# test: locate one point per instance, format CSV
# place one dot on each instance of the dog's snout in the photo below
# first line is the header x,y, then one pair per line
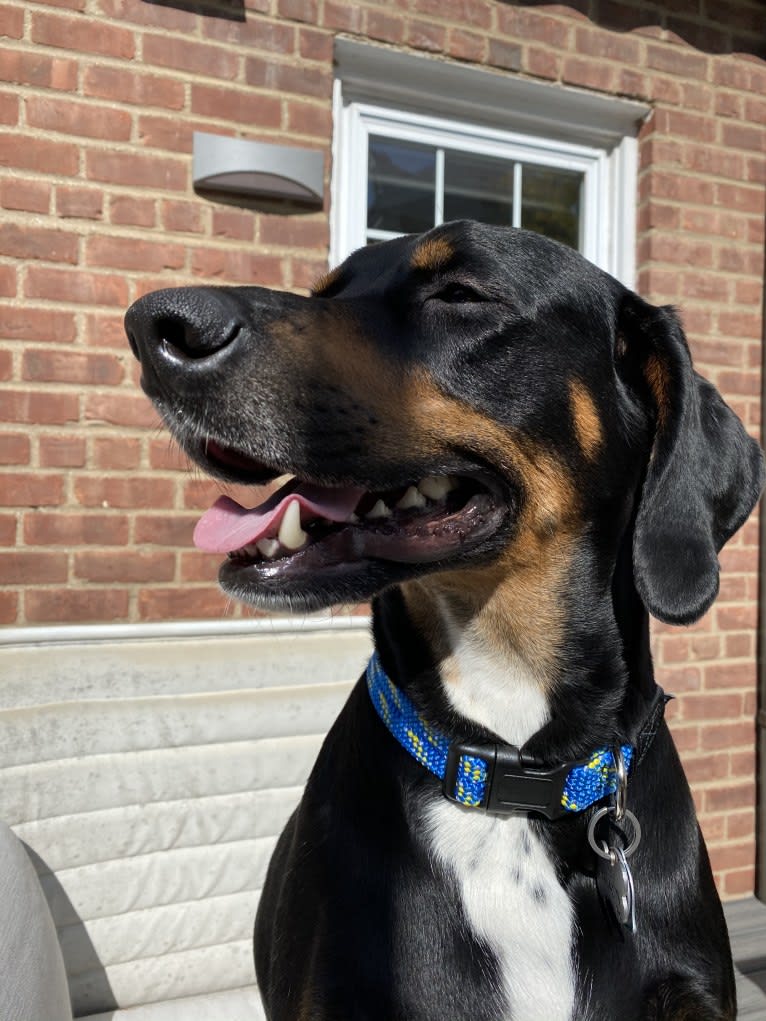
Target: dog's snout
x,y
182,324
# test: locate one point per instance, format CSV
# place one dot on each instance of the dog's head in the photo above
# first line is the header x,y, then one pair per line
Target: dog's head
x,y
448,402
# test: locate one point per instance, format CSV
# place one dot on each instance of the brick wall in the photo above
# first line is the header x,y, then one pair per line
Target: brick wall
x,y
98,101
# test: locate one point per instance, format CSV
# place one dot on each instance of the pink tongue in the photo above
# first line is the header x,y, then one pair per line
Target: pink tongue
x,y
227,526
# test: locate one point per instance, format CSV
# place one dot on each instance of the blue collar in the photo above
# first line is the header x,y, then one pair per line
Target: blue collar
x,y
496,777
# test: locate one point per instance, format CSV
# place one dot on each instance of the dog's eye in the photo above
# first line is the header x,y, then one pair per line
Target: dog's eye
x,y
457,294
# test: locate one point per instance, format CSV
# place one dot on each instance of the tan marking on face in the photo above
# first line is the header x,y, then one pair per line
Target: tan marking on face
x,y
325,282
515,603
432,254
657,378
587,423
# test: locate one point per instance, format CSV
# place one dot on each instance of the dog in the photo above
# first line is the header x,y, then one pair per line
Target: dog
x,y
509,453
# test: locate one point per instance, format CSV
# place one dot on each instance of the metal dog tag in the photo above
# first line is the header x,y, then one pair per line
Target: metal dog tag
x,y
614,881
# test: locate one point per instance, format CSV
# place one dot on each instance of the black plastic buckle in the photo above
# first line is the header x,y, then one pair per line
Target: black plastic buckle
x,y
514,784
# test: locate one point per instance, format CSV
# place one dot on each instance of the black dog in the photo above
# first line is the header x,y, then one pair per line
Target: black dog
x,y
511,454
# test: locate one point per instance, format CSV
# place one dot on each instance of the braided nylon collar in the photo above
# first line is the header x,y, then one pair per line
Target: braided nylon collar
x,y
585,783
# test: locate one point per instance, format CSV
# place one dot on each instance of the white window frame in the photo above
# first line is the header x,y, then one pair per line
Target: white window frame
x,y
436,102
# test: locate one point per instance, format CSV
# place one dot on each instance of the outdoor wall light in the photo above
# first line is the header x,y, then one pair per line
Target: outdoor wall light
x,y
257,168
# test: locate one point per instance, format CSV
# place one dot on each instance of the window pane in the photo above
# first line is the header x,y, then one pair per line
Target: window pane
x,y
551,202
400,190
477,188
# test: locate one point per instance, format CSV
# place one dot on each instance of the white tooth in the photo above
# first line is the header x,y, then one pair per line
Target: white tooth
x,y
268,548
379,511
435,487
291,535
412,498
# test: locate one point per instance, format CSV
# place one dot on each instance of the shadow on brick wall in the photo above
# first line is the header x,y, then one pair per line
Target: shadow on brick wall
x,y
232,10
738,29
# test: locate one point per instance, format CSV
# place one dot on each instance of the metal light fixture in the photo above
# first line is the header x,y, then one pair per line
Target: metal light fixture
x,y
260,169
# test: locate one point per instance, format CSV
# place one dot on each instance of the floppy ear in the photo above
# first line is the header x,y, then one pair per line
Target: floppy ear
x,y
704,475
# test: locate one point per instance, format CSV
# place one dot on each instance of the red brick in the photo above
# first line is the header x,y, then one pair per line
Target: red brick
x,y
11,22
384,27
28,242
727,735
738,882
233,223
6,365
9,608
607,45
299,10
27,568
187,603
79,203
153,15
719,707
588,73
66,366
741,324
730,796
309,119
37,69
199,567
742,197
38,407
680,124
730,675
467,45
8,281
737,618
294,233
182,54
524,24
166,131
41,529
78,118
121,409
128,253
239,105
288,77
137,169
126,210
123,493
29,323
133,87
743,136
342,16
676,60
182,216
704,768
312,44
39,155
124,566
165,530
9,108
21,489
166,455
8,529
74,286
740,824
14,448
62,451
71,605
238,267
112,452
732,856
504,54
83,35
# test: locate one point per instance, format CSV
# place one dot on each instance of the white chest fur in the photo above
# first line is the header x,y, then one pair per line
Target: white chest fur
x,y
511,895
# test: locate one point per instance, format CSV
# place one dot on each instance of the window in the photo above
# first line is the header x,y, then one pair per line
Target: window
x,y
420,141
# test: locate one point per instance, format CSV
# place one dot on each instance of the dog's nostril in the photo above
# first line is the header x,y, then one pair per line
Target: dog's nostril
x,y
194,340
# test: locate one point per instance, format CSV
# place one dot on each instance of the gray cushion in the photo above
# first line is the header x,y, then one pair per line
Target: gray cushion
x,y
33,982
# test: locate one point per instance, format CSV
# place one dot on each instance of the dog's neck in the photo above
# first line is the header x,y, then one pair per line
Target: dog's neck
x,y
520,656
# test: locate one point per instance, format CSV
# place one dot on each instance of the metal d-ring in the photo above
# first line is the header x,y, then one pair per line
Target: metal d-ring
x,y
621,793
596,819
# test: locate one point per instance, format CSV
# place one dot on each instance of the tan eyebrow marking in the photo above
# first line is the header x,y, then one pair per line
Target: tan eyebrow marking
x,y
587,424
432,254
325,282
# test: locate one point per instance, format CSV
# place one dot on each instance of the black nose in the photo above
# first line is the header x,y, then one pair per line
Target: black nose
x,y
182,323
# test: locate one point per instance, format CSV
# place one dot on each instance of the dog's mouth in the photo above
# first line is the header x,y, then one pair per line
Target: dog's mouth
x,y
304,527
